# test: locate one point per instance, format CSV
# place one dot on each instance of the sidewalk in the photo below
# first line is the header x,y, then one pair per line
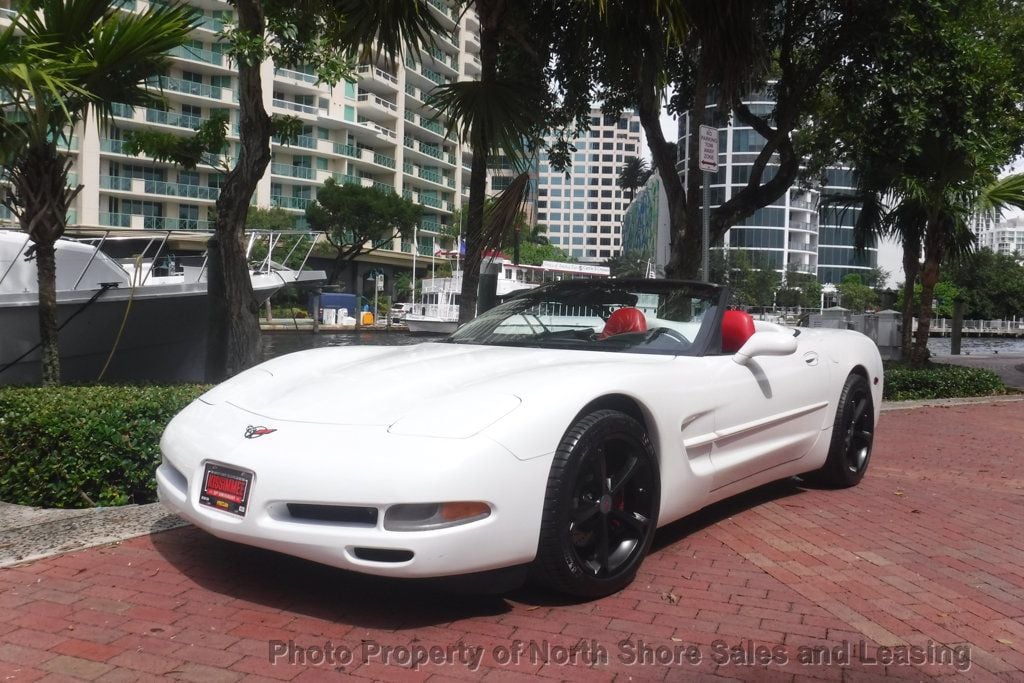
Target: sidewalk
x,y
917,573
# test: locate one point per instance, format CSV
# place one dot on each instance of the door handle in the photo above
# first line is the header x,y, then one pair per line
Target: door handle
x,y
811,358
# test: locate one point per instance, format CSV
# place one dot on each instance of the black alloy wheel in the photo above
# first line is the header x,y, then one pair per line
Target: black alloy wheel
x,y
853,434
601,506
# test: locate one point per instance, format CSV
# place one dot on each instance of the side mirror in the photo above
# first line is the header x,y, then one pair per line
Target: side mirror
x,y
765,344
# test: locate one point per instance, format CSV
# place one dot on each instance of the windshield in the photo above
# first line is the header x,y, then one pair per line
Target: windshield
x,y
633,316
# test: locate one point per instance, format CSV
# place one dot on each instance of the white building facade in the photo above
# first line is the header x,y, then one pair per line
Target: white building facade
x,y
377,132
1004,236
583,211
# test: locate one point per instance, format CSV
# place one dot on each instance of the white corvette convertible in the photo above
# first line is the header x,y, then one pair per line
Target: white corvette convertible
x,y
551,436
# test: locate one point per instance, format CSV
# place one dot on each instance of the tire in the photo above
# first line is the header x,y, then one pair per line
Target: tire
x,y
852,436
600,508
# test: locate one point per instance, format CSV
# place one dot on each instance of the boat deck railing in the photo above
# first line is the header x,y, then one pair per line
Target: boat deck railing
x,y
297,244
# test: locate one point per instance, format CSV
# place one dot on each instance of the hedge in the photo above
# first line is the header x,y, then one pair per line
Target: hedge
x,y
72,447
903,383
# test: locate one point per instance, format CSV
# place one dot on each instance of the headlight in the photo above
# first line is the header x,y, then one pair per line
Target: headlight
x,y
427,516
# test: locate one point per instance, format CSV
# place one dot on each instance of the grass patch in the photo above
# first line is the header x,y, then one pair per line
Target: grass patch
x,y
80,446
937,380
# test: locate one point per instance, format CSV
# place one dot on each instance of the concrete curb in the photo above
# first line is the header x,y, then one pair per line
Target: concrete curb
x,y
28,533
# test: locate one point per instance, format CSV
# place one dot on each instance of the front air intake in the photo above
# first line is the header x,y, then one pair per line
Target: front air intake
x,y
382,554
338,514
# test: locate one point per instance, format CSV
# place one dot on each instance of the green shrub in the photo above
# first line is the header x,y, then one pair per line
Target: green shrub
x,y
939,381
73,447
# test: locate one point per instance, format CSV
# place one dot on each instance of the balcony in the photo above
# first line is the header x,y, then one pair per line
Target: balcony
x,y
804,246
433,76
446,11
415,93
304,141
426,124
182,190
295,107
375,79
168,223
421,249
110,182
185,87
431,151
441,58
450,39
374,107
112,146
346,150
116,220
298,203
348,179
428,200
294,75
122,110
381,130
304,172
169,118
198,54
804,268
211,24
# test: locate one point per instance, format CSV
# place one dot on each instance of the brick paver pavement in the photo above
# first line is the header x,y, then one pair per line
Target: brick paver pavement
x,y
923,561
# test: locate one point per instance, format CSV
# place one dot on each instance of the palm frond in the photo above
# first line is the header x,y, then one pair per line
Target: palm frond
x,y
1003,193
386,27
502,214
496,116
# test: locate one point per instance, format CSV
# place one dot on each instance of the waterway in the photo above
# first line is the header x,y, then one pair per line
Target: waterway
x,y
279,343
975,346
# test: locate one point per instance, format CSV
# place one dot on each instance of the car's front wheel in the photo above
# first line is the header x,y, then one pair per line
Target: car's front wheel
x,y
853,434
601,506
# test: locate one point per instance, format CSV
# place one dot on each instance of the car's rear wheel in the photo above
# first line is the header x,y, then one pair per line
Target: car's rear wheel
x,y
601,506
853,434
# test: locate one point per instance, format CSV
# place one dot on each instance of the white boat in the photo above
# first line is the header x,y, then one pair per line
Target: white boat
x,y
136,320
437,312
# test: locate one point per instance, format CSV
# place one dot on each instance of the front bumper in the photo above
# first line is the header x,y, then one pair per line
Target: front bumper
x,y
331,465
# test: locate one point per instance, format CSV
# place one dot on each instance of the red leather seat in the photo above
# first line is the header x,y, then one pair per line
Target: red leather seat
x,y
624,320
737,327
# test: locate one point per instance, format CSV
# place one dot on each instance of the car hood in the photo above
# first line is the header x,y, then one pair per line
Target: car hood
x,y
381,385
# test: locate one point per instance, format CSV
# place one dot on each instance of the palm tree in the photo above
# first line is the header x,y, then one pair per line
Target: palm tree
x,y
103,56
632,175
930,220
497,113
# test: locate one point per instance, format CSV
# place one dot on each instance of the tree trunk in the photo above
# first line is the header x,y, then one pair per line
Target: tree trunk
x,y
911,268
694,177
489,14
233,343
40,201
336,270
933,252
649,111
49,351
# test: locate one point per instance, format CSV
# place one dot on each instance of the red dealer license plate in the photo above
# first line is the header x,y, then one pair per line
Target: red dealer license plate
x,y
225,489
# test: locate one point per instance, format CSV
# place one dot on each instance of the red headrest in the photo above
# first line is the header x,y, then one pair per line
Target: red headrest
x,y
737,327
624,320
